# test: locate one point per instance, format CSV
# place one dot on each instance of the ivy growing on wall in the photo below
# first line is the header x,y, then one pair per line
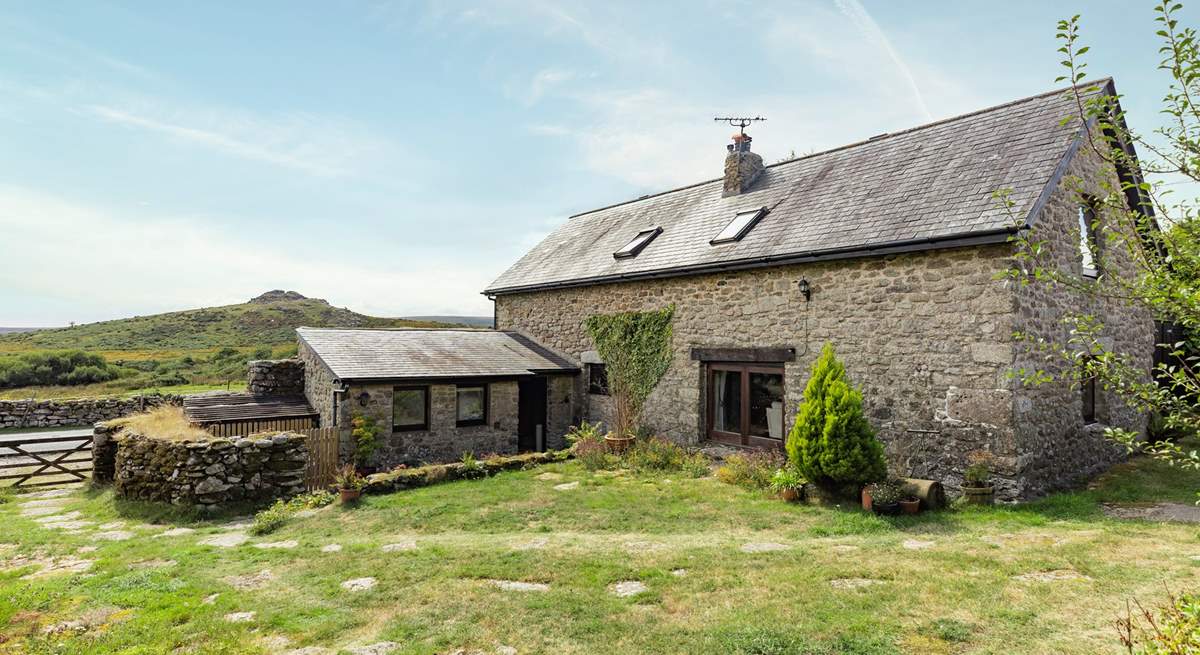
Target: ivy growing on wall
x,y
636,350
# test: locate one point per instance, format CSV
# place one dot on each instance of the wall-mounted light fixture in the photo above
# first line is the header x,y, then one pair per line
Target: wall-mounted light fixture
x,y
805,290
364,398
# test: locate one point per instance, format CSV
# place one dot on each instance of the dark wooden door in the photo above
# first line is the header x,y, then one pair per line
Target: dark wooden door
x,y
531,414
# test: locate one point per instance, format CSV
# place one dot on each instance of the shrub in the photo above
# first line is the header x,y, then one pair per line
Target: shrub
x,y
752,470
977,474
584,432
1174,629
594,455
636,349
655,454
831,441
364,430
273,517
888,492
58,367
347,478
787,479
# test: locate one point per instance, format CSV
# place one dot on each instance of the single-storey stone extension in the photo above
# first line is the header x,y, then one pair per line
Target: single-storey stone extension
x,y
888,248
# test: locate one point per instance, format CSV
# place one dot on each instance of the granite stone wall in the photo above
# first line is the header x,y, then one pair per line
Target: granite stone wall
x,y
318,385
76,412
276,377
207,474
1057,448
444,441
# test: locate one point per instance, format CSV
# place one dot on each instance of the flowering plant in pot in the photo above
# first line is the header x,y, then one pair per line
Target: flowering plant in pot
x,y
349,483
886,496
910,503
788,484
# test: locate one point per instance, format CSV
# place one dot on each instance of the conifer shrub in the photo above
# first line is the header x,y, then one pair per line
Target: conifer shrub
x,y
831,442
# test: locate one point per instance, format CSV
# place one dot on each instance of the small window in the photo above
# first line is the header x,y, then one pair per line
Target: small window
x,y
1088,391
739,226
597,379
638,242
410,408
471,405
1089,240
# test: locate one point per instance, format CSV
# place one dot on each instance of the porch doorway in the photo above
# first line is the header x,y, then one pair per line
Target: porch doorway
x,y
531,414
745,404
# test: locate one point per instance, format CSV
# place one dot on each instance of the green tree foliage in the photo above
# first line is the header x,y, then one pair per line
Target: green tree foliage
x,y
66,368
636,349
831,442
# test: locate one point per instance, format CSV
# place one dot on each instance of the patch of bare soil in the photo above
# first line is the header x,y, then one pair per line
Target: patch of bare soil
x,y
250,581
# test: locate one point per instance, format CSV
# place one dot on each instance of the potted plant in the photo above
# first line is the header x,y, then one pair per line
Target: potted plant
x,y
349,484
910,503
788,484
618,443
977,487
885,497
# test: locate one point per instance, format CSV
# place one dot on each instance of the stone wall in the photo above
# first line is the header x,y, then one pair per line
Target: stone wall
x,y
208,474
76,412
277,377
318,384
925,336
444,441
1057,448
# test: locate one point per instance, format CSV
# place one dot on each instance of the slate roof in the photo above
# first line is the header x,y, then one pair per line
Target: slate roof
x,y
926,187
430,354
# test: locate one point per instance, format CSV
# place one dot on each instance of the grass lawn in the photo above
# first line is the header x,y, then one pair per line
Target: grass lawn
x,y
823,580
107,390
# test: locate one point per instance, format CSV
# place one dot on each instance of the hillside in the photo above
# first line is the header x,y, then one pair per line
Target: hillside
x,y
268,320
473,321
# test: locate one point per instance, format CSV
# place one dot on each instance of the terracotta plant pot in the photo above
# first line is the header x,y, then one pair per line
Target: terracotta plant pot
x,y
886,510
617,445
979,495
910,506
866,499
790,495
349,495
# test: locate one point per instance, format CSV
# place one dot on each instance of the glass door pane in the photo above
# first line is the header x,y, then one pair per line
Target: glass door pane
x,y
766,405
727,401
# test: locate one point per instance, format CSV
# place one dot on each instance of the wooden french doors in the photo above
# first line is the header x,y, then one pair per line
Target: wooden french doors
x,y
745,404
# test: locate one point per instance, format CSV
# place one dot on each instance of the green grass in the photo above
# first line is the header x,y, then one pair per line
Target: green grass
x,y
958,596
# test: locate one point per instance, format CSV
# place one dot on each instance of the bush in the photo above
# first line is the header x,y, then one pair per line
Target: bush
x,y
364,430
831,442
787,479
1174,629
63,367
275,516
587,442
471,468
752,470
655,454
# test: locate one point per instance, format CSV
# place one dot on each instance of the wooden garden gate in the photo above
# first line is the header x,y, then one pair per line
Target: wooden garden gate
x,y
322,463
41,461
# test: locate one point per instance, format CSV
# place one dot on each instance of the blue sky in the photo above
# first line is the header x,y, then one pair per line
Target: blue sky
x,y
395,157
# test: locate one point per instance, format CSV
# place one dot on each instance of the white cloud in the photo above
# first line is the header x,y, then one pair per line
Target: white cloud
x,y
143,262
870,30
545,79
295,142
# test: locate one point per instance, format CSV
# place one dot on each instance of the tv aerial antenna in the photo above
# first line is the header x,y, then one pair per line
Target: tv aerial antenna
x,y
740,122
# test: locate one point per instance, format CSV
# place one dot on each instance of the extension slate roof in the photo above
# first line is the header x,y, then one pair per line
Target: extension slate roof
x,y
429,354
926,187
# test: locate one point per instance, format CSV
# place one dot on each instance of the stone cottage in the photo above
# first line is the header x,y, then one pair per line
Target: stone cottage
x,y
435,394
888,248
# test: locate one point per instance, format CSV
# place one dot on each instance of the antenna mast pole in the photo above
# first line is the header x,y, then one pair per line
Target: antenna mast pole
x,y
740,122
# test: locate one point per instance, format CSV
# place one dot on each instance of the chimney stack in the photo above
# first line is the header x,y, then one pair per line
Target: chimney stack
x,y
742,167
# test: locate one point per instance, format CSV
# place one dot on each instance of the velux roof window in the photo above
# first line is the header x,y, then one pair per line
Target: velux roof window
x,y
739,226
637,243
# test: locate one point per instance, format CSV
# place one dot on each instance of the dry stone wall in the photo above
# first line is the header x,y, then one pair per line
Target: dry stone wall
x,y
208,474
277,377
76,412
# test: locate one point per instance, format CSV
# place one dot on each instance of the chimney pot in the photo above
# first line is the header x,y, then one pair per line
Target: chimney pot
x,y
742,167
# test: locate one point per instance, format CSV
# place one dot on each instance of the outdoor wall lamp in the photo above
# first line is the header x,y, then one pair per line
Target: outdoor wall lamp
x,y
805,290
364,398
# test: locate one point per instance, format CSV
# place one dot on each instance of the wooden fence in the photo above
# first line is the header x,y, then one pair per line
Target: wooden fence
x,y
322,457
240,428
41,461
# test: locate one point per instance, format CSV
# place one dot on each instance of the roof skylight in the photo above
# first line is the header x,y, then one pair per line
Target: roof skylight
x,y
739,226
637,243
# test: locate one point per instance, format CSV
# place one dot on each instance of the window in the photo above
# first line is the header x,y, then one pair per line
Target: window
x,y
1087,389
739,226
746,404
410,408
638,242
1089,240
471,405
597,379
